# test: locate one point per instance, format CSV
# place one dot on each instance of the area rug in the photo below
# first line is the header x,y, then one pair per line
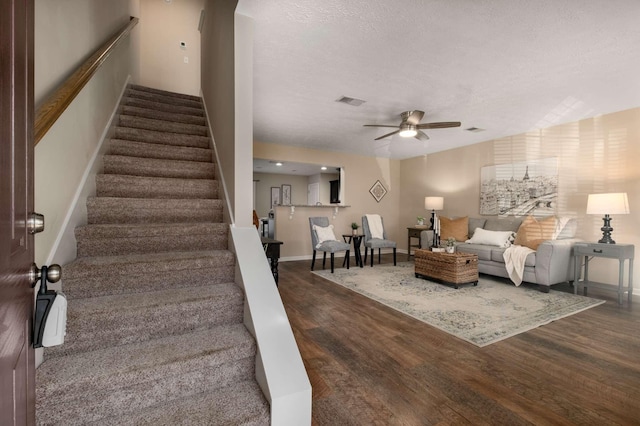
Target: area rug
x,y
484,314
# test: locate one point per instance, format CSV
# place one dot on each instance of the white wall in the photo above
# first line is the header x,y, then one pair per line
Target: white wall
x,y
67,32
162,27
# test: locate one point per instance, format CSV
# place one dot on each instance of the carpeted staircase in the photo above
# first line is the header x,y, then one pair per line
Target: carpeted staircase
x,y
155,332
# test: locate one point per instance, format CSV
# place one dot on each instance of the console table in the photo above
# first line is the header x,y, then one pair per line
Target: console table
x,y
414,232
621,252
272,251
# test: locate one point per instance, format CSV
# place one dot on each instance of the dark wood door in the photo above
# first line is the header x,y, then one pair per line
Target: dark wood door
x,y
17,367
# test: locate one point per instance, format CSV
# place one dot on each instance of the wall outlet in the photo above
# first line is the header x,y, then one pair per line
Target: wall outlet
x,y
186,59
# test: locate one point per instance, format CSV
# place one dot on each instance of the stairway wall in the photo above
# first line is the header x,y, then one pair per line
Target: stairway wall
x,y
70,191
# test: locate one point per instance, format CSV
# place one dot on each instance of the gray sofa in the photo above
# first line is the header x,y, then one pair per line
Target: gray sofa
x,y
552,263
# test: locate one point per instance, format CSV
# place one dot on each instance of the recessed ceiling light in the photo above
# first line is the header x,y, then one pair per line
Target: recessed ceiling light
x,y
323,168
278,164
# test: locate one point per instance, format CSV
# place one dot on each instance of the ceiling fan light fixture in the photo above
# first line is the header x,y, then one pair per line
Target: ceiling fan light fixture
x,y
408,130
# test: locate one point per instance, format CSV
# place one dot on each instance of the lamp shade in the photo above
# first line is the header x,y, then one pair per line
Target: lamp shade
x,y
612,203
433,203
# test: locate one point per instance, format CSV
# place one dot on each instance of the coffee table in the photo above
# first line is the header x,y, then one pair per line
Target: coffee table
x,y
447,268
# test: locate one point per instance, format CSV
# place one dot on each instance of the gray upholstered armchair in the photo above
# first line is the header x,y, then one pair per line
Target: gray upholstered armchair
x,y
373,243
331,246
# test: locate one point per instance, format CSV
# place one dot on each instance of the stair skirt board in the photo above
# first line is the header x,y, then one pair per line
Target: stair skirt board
x,y
155,331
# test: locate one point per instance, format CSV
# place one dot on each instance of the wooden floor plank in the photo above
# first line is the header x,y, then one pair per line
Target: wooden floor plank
x,y
369,364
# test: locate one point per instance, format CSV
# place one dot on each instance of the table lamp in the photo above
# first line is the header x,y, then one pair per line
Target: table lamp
x,y
433,204
606,204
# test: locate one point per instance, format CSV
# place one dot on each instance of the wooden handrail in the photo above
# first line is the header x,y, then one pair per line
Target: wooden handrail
x,y
57,103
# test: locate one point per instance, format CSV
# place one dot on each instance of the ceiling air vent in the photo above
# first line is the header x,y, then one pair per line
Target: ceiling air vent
x,y
350,101
474,129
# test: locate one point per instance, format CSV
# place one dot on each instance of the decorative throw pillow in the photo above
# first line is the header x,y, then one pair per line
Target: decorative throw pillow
x,y
456,228
324,233
491,238
533,232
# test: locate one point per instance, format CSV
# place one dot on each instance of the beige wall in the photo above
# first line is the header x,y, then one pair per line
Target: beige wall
x,y
217,81
62,157
595,155
161,61
360,175
66,33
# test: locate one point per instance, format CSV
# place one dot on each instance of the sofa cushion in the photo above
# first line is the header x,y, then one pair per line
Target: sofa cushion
x,y
475,222
533,232
503,224
456,228
483,251
492,238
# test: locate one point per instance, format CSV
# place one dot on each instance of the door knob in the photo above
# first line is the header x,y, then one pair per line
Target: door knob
x,y
35,223
51,273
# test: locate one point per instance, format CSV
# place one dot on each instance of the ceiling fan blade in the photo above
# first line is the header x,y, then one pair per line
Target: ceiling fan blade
x,y
439,125
412,117
380,125
422,136
388,134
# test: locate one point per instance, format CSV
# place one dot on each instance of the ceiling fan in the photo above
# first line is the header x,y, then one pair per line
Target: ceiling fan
x,y
410,126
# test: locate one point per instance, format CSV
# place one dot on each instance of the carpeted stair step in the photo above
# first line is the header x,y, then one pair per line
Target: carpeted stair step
x,y
151,136
162,115
159,106
115,240
124,379
136,273
154,187
100,322
238,404
161,126
164,92
137,166
139,210
167,152
141,94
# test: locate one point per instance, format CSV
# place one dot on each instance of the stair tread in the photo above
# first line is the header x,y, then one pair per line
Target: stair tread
x,y
166,126
175,117
136,362
144,230
238,404
164,92
163,98
161,138
161,106
125,264
169,152
130,186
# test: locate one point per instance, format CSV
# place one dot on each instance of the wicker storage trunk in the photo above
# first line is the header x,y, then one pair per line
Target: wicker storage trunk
x,y
450,268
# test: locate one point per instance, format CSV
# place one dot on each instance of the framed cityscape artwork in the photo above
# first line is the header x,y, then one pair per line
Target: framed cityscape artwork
x,y
275,196
518,189
286,195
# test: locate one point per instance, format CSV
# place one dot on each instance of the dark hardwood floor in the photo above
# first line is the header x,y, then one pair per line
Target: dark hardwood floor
x,y
371,365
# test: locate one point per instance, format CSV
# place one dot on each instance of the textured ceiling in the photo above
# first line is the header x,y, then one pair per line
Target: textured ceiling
x,y
506,66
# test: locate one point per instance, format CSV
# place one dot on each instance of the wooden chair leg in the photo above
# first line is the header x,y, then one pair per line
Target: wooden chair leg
x,y
332,256
364,262
379,256
394,256
313,260
324,258
373,254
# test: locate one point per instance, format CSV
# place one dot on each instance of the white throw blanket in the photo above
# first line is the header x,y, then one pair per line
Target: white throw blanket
x,y
375,226
514,258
